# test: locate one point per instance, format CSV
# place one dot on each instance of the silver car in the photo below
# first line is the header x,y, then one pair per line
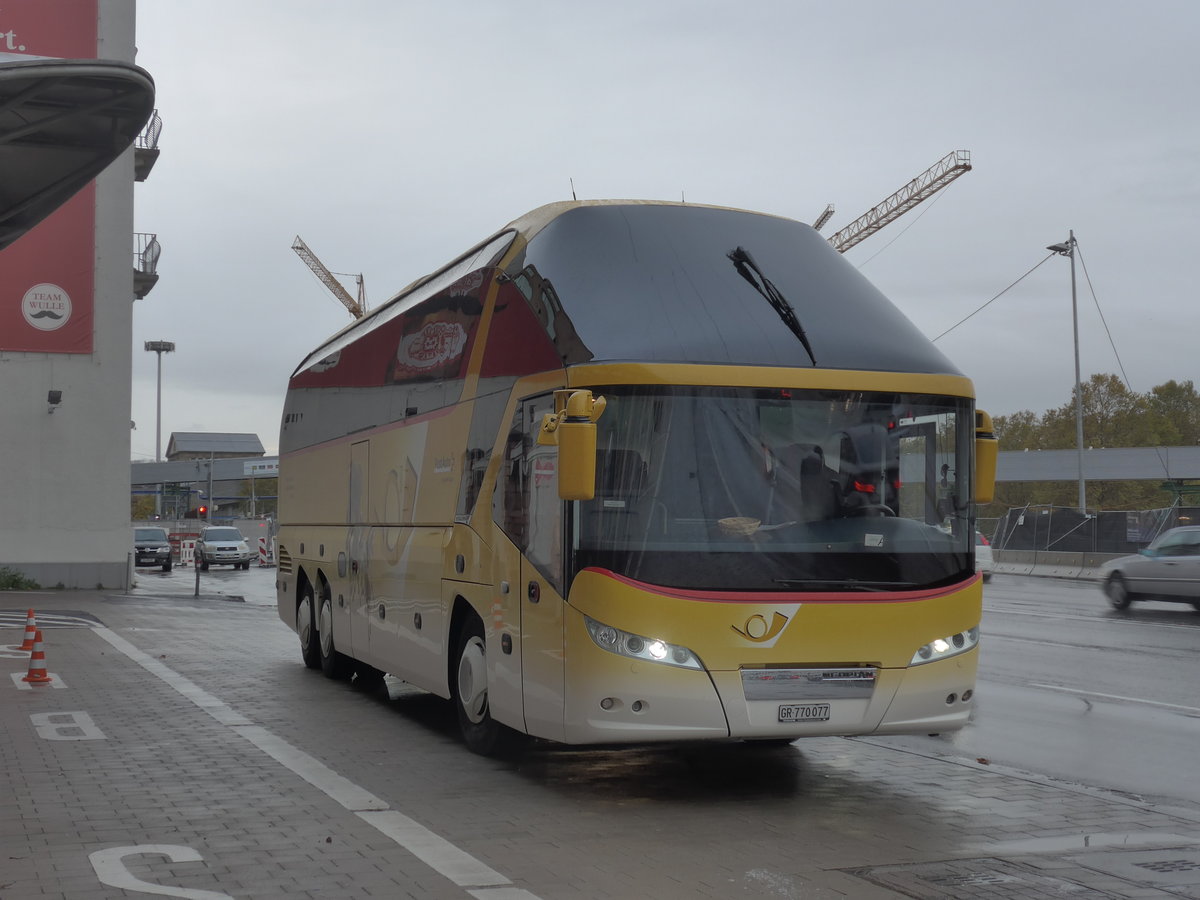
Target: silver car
x,y
1169,569
222,545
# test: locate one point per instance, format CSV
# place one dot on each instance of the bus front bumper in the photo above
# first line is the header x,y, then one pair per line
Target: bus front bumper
x,y
610,699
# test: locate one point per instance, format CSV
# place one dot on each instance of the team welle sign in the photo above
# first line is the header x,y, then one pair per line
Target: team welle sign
x,y
47,276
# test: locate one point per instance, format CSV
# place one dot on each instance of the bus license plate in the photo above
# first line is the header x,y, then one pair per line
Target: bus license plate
x,y
804,712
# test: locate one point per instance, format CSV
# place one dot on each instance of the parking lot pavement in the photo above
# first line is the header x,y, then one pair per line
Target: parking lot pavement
x,y
183,750
255,585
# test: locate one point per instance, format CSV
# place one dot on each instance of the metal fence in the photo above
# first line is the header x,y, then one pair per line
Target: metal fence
x,y
1063,529
148,139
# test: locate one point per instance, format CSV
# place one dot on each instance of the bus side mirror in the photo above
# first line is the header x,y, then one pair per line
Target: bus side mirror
x,y
986,450
572,428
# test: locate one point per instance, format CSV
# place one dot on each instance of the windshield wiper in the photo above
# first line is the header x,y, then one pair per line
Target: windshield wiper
x,y
852,583
748,269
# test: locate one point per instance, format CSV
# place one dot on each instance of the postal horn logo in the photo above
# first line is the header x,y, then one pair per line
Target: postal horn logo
x,y
46,307
759,631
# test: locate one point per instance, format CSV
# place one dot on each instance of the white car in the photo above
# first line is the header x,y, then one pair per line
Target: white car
x,y
222,545
1169,569
984,564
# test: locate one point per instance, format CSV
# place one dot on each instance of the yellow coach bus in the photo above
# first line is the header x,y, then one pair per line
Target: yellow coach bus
x,y
637,471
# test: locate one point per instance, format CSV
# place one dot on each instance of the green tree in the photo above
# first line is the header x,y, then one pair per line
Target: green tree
x,y
1179,405
1113,416
1018,431
141,506
264,490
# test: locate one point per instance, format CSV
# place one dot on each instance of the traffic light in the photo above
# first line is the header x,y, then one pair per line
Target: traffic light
x,y
200,512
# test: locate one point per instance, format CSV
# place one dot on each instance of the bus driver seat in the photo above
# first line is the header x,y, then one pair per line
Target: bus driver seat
x,y
808,486
621,505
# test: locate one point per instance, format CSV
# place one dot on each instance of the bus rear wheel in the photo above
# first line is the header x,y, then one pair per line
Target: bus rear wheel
x,y
334,664
481,733
306,628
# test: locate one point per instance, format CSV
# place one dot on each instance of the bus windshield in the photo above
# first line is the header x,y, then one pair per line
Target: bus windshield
x,y
780,490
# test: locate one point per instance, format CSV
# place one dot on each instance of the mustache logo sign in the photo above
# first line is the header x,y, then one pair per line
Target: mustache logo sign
x,y
46,306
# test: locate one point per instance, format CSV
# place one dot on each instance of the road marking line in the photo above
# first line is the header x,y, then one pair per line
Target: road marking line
x,y
46,620
311,769
436,852
1104,620
1138,700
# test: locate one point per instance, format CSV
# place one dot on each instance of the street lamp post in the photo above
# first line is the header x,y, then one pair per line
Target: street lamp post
x,y
159,347
1067,248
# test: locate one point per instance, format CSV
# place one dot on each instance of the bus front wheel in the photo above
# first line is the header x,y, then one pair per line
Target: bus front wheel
x,y
306,628
481,733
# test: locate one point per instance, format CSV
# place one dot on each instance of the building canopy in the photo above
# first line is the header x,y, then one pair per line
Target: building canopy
x,y
62,122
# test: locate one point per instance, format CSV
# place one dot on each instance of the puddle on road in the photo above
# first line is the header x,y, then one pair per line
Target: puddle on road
x,y
255,585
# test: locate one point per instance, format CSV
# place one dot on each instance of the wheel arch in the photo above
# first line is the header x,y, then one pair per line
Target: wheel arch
x,y
461,612
320,585
301,582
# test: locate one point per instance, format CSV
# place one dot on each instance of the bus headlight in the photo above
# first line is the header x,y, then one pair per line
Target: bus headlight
x,y
944,648
634,646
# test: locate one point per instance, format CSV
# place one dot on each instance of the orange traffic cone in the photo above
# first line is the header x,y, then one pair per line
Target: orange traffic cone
x,y
30,632
37,663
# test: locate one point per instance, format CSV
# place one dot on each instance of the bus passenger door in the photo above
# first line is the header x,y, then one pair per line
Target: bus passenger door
x,y
529,511
542,671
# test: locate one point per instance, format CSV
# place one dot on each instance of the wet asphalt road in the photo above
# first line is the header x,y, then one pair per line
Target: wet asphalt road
x,y
1068,688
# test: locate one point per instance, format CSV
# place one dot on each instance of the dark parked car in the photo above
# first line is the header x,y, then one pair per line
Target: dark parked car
x,y
222,545
1169,569
152,547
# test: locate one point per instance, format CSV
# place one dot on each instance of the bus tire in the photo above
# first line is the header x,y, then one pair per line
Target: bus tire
x,y
1118,592
334,664
481,733
306,628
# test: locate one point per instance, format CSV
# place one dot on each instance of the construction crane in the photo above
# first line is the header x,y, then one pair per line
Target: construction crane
x,y
358,308
924,186
823,218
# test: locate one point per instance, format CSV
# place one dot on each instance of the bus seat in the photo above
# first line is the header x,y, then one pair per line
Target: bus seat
x,y
816,482
622,511
620,475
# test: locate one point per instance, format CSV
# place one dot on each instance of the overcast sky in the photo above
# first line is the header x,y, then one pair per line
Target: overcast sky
x,y
393,135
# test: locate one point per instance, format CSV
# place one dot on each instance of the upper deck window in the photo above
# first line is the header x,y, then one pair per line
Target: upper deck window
x,y
694,284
